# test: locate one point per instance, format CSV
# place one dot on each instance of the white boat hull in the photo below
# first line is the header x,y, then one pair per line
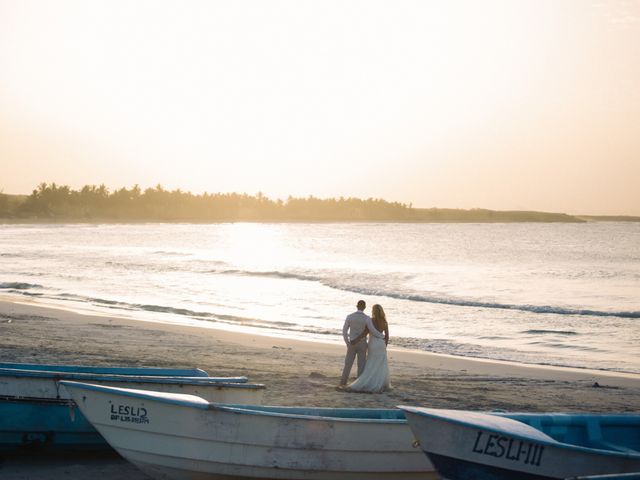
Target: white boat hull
x,y
190,439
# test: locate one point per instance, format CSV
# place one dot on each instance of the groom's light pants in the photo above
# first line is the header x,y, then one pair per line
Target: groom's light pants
x,y
358,350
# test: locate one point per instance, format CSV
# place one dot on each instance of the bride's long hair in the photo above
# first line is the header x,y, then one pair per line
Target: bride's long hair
x,y
379,318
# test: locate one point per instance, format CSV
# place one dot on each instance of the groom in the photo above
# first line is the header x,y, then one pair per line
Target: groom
x,y
354,325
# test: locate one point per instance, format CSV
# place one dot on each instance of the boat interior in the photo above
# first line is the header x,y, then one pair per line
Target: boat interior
x,y
619,433
344,413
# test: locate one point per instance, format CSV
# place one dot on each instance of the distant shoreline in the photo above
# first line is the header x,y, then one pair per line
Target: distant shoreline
x,y
51,203
609,218
139,221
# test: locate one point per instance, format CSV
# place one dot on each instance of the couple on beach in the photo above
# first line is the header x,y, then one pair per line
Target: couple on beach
x,y
373,369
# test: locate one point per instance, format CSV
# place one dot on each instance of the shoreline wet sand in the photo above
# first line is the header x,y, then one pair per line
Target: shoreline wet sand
x,y
295,372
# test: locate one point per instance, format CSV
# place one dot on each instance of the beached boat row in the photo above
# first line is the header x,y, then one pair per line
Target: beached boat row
x,y
36,412
177,435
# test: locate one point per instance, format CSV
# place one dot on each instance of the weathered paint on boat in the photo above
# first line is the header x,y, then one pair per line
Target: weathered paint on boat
x,y
185,437
35,412
103,370
472,445
39,424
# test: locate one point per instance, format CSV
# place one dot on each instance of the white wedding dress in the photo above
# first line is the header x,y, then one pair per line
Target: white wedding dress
x,y
375,378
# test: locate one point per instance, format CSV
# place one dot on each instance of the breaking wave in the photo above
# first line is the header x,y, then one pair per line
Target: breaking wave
x,y
556,332
414,297
18,285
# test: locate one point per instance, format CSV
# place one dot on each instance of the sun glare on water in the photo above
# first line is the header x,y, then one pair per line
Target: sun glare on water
x,y
259,246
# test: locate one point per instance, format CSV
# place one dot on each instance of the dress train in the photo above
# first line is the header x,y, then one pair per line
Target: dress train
x,y
375,378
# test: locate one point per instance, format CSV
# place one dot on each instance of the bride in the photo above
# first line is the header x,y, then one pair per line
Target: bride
x,y
375,378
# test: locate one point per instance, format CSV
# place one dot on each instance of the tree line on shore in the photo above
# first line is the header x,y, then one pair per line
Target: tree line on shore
x,y
51,202
91,202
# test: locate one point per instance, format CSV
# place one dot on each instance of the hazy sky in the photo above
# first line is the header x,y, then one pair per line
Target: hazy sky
x,y
496,104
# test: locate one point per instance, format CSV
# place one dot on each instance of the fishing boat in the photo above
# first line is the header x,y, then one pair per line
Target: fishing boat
x,y
35,412
104,370
184,437
466,445
44,384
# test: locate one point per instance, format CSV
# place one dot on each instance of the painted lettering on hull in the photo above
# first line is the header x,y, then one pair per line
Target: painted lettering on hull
x,y
128,414
500,446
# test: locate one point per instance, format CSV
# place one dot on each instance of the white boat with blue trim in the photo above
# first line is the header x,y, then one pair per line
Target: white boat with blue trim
x,y
44,384
36,412
171,436
466,445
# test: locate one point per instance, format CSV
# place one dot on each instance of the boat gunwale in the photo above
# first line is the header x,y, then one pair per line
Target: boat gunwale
x,y
38,400
261,411
420,411
162,397
236,408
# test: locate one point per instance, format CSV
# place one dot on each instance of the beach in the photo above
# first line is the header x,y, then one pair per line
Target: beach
x,y
295,372
219,185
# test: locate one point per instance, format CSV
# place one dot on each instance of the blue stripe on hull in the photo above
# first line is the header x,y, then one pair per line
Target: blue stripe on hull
x,y
456,469
45,425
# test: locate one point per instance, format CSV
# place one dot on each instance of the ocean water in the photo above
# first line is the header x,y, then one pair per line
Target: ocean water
x,y
557,294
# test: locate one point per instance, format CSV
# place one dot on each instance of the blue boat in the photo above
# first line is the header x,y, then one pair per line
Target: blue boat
x,y
465,445
36,412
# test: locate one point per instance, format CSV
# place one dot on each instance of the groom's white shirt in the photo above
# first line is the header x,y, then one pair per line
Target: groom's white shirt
x,y
354,325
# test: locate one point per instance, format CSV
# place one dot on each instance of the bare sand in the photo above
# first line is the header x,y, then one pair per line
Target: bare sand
x,y
295,373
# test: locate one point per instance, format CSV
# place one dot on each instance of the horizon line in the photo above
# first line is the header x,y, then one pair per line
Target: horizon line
x,y
409,205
